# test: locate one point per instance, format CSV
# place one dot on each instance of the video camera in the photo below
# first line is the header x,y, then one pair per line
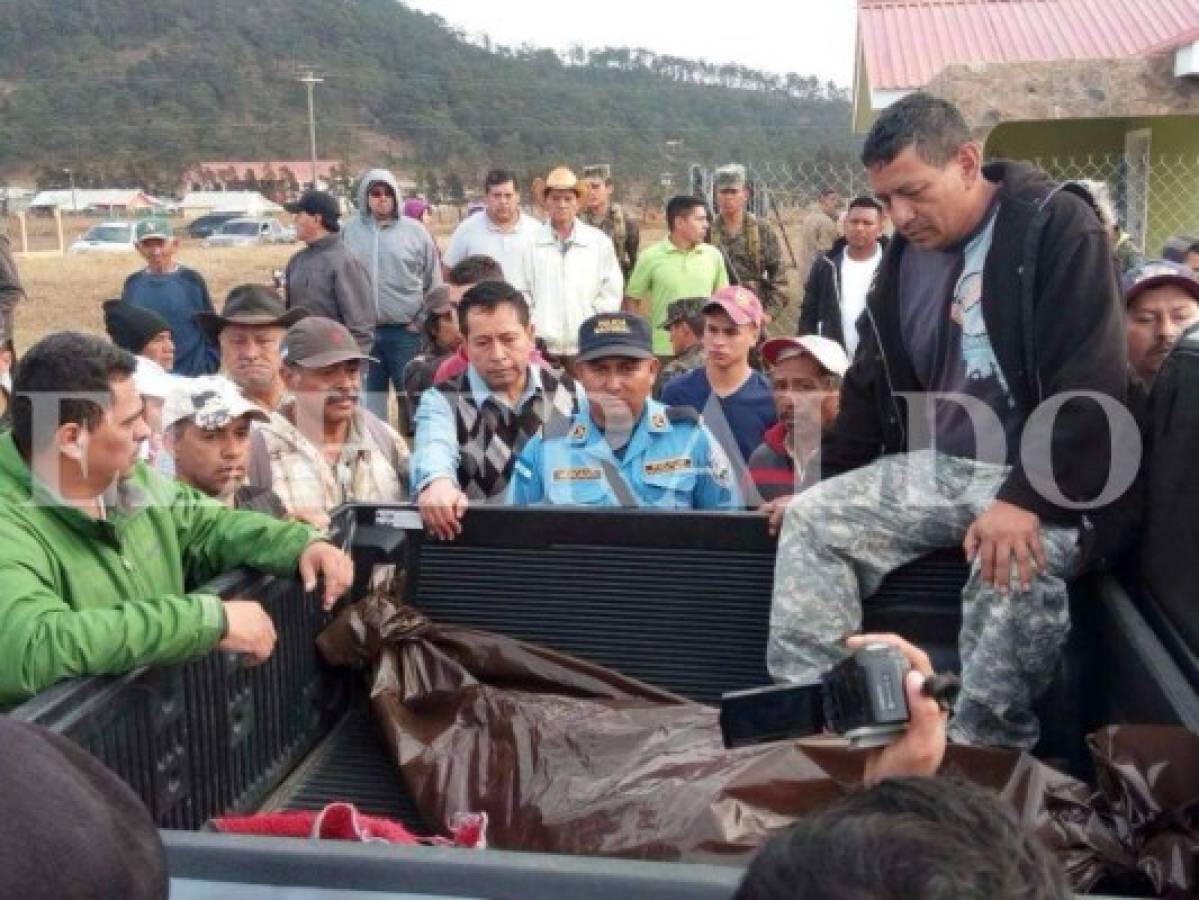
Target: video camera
x,y
861,698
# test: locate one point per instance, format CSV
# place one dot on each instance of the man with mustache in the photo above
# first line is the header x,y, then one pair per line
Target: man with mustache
x,y
1162,301
322,448
206,424
997,297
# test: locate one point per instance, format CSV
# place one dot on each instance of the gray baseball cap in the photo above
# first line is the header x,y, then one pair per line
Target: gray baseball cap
x,y
316,342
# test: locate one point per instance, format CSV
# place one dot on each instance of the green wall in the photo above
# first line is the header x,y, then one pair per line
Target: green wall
x,y
1174,160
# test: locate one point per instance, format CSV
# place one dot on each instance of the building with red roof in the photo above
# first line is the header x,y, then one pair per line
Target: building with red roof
x,y
1110,84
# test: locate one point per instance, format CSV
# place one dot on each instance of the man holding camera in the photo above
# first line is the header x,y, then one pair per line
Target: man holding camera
x,y
997,294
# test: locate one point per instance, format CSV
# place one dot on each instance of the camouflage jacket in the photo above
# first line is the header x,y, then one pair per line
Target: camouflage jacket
x,y
755,257
691,358
622,230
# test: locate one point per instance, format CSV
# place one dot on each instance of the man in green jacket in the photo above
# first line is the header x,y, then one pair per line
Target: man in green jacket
x,y
96,550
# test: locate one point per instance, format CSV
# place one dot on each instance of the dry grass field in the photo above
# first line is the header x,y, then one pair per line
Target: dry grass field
x,y
65,292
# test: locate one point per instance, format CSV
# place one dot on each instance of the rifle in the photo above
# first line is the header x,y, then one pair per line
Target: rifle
x,y
774,208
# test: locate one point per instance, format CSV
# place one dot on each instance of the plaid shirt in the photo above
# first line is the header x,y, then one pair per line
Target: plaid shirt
x,y
372,467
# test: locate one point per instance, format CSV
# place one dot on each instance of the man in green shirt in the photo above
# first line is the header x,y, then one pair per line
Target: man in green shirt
x,y
96,550
680,265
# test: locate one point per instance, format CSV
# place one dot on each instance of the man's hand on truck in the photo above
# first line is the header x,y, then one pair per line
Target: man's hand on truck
x,y
248,630
442,506
322,559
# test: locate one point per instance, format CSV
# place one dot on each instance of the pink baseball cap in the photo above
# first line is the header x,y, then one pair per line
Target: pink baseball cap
x,y
739,304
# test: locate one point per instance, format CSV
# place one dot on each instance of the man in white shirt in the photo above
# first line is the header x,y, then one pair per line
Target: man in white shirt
x,y
570,269
500,231
835,293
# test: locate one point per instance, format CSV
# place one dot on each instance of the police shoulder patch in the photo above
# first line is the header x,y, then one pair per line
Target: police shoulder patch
x,y
718,463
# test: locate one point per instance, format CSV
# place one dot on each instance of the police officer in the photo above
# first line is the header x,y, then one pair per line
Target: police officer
x,y
749,244
623,448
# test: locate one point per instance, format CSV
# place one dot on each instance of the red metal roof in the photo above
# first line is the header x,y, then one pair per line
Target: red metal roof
x,y
907,42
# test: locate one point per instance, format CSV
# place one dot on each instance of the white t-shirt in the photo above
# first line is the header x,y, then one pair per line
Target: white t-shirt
x,y
855,282
478,234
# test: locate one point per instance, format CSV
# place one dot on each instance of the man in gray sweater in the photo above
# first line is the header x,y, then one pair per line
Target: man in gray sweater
x,y
401,260
325,277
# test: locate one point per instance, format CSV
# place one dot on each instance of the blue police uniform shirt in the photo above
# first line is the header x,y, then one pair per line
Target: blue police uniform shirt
x,y
671,462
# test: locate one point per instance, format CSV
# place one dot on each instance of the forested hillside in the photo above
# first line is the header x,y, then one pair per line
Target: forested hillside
x,y
135,91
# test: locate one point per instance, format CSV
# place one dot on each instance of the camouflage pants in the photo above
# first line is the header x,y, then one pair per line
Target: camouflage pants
x,y
842,537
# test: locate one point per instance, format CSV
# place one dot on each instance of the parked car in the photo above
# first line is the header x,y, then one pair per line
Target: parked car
x,y
107,237
205,225
249,232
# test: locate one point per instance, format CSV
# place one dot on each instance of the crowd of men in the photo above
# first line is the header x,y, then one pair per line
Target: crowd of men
x,y
557,361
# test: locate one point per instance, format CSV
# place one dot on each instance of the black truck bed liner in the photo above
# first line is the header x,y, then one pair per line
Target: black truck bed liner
x,y
680,600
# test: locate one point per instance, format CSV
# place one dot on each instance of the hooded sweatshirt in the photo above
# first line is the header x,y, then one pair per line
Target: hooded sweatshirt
x,y
398,255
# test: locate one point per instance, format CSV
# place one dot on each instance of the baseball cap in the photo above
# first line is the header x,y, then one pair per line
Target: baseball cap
x,y
211,401
615,334
826,351
316,342
681,310
317,203
740,304
1156,273
152,228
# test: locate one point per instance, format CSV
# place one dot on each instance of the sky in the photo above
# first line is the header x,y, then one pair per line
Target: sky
x,y
809,37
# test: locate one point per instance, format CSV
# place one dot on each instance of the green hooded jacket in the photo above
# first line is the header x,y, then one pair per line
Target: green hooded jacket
x,y
80,596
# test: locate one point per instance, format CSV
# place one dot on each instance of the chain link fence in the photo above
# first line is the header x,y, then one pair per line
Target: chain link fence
x,y
1153,197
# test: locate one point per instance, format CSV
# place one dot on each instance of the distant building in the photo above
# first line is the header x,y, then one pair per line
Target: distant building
x,y
248,203
104,201
1105,89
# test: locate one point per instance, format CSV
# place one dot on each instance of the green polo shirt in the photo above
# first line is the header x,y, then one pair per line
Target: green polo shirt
x,y
664,273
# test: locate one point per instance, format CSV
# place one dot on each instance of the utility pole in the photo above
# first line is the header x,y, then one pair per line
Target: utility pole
x,y
308,79
74,202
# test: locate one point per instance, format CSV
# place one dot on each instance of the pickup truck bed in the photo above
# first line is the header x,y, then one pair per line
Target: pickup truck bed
x,y
680,600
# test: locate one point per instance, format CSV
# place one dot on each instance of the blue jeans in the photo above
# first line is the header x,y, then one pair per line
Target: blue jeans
x,y
394,347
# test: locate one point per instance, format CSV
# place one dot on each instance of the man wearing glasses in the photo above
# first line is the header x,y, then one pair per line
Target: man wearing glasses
x,y
401,260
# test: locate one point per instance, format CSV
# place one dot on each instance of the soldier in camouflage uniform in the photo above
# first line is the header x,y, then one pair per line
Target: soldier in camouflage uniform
x,y
610,218
749,244
685,322
849,532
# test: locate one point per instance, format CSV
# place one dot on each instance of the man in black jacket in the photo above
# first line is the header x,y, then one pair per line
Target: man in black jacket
x,y
996,298
835,294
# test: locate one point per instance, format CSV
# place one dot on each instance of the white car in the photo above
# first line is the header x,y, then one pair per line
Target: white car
x,y
107,237
249,232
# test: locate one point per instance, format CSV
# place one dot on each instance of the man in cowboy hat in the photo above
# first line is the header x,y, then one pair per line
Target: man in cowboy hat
x,y
570,269
249,332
